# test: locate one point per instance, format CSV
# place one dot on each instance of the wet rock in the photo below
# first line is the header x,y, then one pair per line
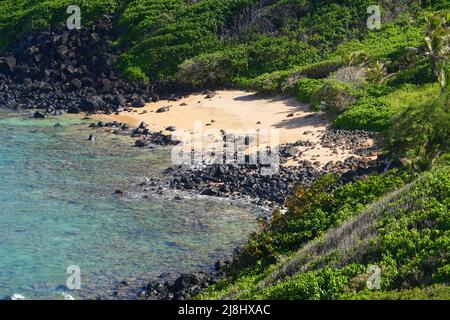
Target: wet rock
x,y
90,104
140,143
39,115
15,296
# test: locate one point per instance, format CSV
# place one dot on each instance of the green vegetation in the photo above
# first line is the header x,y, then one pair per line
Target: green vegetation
x,y
17,17
405,233
421,134
366,114
394,81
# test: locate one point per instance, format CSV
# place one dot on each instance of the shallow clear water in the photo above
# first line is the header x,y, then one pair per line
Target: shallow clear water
x,y
57,209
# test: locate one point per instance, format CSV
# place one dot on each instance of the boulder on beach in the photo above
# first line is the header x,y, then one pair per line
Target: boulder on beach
x,y
73,110
162,109
138,103
143,125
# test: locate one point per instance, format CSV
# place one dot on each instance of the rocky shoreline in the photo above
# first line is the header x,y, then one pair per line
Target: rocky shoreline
x,y
59,71
235,182
238,182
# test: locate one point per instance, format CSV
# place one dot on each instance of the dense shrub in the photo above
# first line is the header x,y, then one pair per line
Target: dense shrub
x,y
434,292
305,88
135,74
418,74
422,133
269,82
409,95
334,96
212,69
286,80
367,114
326,283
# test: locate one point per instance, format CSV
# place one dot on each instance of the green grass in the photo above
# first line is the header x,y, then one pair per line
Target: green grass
x,y
378,113
411,96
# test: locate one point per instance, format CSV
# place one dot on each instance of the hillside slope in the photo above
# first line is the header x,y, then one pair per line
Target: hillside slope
x,y
405,233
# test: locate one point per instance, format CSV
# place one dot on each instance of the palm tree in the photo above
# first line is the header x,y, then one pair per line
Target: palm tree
x,y
377,73
357,59
437,45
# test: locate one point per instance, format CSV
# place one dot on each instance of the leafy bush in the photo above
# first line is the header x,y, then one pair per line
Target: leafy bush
x,y
418,74
135,74
286,80
326,283
269,82
212,69
334,96
318,70
422,133
434,292
367,114
409,95
305,88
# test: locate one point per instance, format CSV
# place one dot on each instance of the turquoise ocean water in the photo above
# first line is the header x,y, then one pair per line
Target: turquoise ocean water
x,y
57,209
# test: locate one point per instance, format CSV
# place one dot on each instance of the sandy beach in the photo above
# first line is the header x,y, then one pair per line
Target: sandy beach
x,y
232,110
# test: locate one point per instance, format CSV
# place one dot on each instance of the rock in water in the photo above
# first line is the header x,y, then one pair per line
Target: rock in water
x,y
15,296
68,296
39,115
140,143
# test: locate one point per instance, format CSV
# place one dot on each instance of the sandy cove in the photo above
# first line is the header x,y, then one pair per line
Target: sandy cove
x,y
239,110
